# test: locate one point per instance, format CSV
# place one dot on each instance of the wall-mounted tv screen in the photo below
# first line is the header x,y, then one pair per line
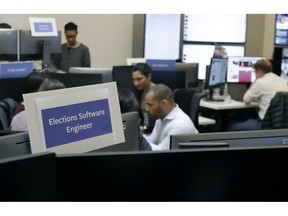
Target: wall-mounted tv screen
x,y
226,28
202,54
281,29
162,36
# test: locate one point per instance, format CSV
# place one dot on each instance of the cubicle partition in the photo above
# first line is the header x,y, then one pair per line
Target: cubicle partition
x,y
258,174
237,139
226,174
252,168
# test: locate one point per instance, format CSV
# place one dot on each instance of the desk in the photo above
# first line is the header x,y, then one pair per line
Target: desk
x,y
202,121
216,105
226,112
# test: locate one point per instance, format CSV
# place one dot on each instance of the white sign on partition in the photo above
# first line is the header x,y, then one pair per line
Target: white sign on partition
x,y
74,120
43,27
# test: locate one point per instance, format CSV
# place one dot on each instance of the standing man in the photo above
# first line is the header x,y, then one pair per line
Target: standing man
x,y
74,53
171,119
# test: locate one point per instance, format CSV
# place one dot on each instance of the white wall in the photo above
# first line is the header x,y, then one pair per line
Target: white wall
x,y
108,36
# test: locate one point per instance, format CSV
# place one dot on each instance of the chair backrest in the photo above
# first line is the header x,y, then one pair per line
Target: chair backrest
x,y
4,125
276,116
188,100
194,108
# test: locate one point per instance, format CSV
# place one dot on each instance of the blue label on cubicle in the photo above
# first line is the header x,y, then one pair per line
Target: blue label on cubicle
x,y
15,69
43,27
71,123
161,65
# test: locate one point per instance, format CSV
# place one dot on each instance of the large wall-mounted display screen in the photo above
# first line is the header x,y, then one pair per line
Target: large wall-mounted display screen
x,y
162,36
281,29
228,28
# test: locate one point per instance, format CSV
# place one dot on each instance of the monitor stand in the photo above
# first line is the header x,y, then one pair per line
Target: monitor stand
x,y
211,98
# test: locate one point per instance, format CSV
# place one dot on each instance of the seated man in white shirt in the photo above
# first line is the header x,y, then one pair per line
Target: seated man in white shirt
x,y
172,120
265,87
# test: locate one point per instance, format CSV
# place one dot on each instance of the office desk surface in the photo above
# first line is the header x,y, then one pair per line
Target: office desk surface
x,y
215,105
205,121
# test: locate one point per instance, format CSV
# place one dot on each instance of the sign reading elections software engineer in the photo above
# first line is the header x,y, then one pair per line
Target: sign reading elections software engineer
x,y
76,122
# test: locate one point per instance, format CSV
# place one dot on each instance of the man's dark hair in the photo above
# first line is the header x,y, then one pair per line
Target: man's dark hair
x,y
71,26
5,26
162,92
144,68
128,101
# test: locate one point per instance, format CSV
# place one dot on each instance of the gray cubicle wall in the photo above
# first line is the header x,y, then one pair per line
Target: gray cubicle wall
x,y
257,174
238,139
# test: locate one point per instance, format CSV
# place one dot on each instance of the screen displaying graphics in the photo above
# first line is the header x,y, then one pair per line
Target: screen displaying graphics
x,y
217,73
228,28
240,69
281,29
202,54
162,36
284,64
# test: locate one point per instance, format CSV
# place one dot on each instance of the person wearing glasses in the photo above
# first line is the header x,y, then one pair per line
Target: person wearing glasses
x,y
74,53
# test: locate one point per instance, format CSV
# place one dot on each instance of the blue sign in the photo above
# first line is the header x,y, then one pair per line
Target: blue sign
x,y
76,122
16,69
43,27
161,65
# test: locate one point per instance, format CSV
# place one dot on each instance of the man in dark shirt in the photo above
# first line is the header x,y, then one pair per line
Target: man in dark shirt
x,y
74,53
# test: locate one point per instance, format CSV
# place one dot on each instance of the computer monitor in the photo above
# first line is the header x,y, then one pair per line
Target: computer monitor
x,y
8,47
259,138
12,88
240,69
123,77
130,122
75,80
191,70
173,79
38,48
280,62
105,72
29,178
216,76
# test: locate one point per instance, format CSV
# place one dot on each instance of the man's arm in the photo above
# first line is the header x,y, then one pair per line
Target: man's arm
x,y
165,144
86,58
253,93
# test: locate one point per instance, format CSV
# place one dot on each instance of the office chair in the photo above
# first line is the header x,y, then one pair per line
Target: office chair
x,y
276,116
194,107
188,102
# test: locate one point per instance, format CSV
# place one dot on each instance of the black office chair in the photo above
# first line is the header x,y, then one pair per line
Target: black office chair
x,y
276,116
188,101
194,108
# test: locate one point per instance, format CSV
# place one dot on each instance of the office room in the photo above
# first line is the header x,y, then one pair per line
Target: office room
x,y
110,45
